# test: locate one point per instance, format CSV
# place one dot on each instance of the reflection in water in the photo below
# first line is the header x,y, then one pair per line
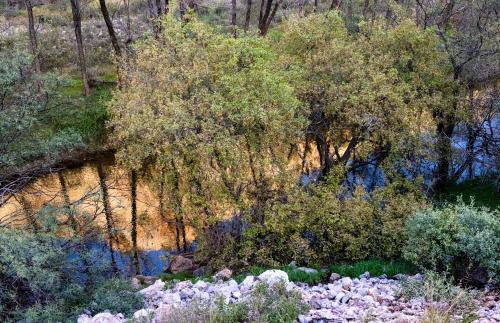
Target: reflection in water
x,y
152,262
80,188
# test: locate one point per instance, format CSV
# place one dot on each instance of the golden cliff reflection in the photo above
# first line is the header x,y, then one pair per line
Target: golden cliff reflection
x,y
80,187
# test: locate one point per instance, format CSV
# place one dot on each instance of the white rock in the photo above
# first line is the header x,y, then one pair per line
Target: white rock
x,y
182,285
334,277
162,313
339,296
326,314
143,315
224,274
171,298
105,318
346,298
248,282
346,283
186,293
201,285
273,276
366,275
151,290
203,296
84,318
226,290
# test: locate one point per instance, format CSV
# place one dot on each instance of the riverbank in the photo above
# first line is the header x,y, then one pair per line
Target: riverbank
x,y
342,299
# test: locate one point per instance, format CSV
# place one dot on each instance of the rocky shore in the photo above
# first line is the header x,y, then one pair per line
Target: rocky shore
x,y
363,299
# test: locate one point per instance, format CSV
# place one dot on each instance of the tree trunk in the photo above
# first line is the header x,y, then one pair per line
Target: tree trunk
x,y
366,8
107,212
267,13
67,202
248,15
161,196
177,235
129,30
443,146
111,29
324,154
32,33
77,25
133,196
183,230
28,212
335,4
349,14
316,5
233,16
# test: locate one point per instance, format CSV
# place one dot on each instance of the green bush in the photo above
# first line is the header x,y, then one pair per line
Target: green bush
x,y
316,227
46,278
459,238
115,295
482,191
375,267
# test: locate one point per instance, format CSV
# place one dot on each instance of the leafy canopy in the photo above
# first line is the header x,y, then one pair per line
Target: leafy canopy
x,y
211,112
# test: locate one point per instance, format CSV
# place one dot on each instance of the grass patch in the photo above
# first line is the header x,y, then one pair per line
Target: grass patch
x,y
178,276
375,267
295,275
83,115
170,278
483,191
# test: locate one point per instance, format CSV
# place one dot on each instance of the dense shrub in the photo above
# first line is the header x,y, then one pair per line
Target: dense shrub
x,y
460,238
44,278
320,225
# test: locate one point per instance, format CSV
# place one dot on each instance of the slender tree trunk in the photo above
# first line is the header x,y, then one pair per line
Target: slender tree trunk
x,y
154,7
67,202
177,235
366,8
471,140
32,33
133,193
316,5
183,230
28,212
161,196
111,29
233,16
349,13
267,14
107,212
335,4
77,25
129,28
443,147
248,15
261,11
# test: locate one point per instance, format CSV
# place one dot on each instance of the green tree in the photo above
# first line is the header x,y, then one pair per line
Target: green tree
x,y
25,101
371,95
213,112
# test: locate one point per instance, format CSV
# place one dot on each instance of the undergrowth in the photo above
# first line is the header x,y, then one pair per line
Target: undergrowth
x,y
375,267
